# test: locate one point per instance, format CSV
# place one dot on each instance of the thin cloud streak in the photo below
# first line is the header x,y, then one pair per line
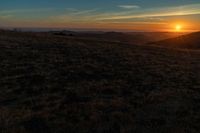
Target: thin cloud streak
x,y
159,12
137,22
129,6
16,11
124,17
74,17
84,12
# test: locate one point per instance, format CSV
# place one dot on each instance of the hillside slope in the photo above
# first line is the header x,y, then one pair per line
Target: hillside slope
x,y
54,84
124,37
190,41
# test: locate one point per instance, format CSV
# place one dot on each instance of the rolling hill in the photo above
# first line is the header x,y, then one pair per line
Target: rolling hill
x,y
58,84
123,37
189,41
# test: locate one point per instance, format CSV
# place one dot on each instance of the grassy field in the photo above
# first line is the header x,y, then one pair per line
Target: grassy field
x,y
52,84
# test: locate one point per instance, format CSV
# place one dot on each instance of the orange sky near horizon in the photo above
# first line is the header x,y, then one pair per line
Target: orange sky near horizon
x,y
128,16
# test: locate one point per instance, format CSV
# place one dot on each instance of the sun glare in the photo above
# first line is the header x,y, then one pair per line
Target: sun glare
x,y
178,27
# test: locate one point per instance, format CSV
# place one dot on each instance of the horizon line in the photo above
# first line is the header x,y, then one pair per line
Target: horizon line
x,y
42,29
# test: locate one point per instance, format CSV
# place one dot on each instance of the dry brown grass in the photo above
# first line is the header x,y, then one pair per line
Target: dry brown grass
x,y
54,84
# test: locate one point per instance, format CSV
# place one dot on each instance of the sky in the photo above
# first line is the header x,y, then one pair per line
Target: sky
x,y
136,15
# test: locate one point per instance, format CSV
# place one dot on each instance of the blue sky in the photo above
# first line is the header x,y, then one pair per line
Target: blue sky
x,y
105,14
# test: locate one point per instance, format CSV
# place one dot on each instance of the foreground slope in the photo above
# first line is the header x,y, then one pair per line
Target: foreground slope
x,y
54,84
189,41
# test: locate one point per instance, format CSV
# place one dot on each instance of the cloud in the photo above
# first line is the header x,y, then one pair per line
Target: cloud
x,y
16,11
95,16
84,12
136,22
129,6
73,15
193,9
71,9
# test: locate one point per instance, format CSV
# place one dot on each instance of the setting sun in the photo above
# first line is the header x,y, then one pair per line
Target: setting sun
x,y
178,28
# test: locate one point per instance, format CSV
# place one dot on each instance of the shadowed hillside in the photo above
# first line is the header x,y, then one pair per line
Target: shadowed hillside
x,y
190,41
123,37
56,84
